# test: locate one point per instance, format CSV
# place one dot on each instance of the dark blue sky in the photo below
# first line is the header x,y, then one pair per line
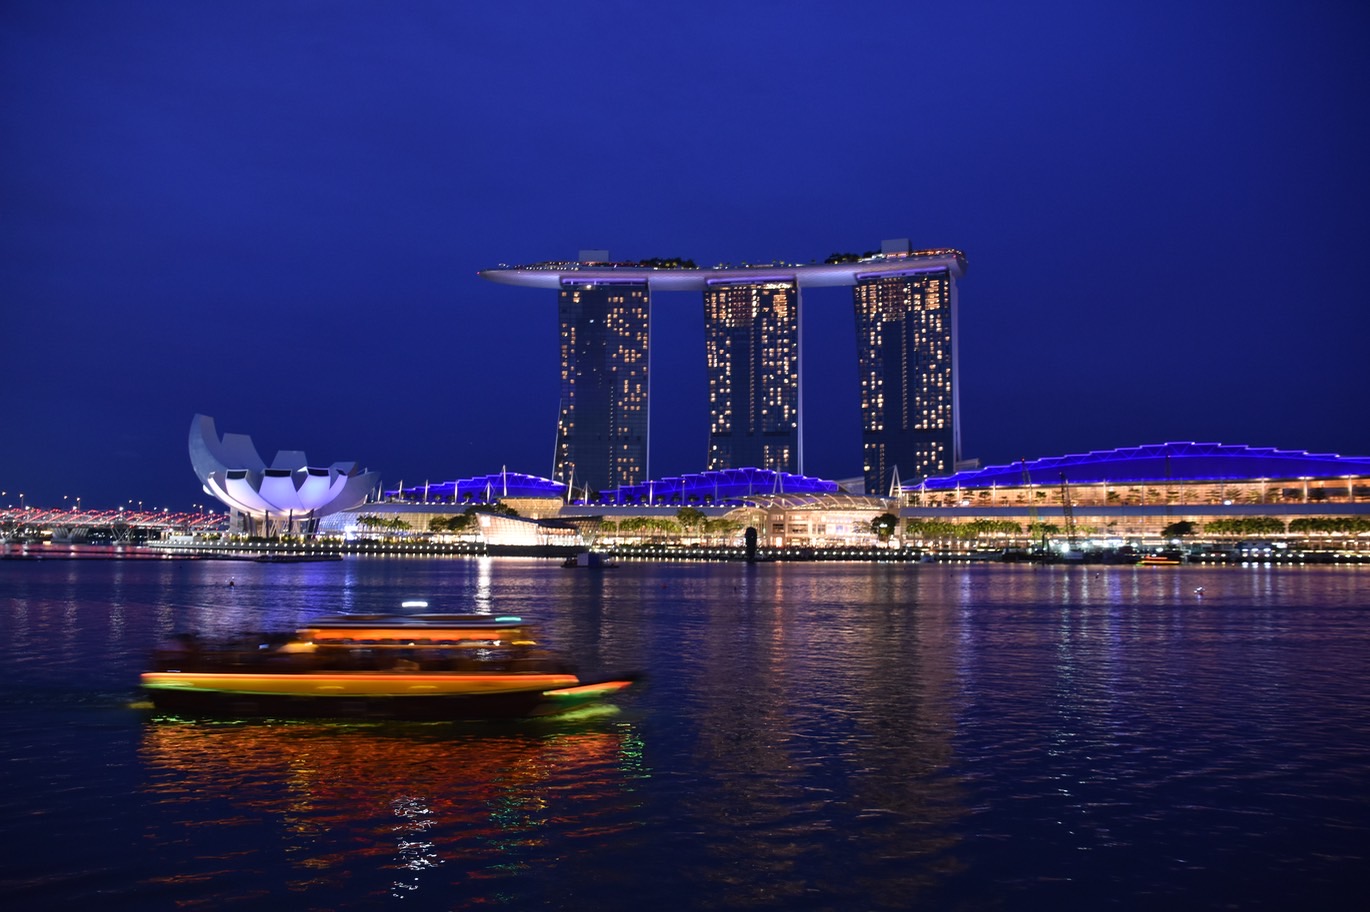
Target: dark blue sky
x,y
273,213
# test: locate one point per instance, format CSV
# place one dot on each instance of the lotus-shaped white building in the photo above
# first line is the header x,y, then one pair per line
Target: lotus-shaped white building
x,y
288,494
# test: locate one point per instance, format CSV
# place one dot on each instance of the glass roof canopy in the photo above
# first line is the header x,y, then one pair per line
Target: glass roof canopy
x,y
1159,463
481,488
719,487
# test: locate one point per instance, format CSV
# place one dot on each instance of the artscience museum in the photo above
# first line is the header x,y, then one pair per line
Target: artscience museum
x,y
287,496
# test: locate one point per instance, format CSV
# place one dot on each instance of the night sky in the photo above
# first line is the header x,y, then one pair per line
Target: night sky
x,y
273,213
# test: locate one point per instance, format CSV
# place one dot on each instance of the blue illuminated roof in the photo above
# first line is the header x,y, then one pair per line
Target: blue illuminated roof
x,y
719,486
722,486
1159,463
481,489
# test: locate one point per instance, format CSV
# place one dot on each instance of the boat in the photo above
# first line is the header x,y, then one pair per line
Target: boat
x,y
406,666
589,560
293,558
1160,560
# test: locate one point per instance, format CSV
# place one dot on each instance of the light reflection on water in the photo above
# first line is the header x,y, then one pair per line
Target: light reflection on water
x,y
407,799
833,736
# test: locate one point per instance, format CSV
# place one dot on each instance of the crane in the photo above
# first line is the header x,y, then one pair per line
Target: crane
x,y
1032,507
1067,512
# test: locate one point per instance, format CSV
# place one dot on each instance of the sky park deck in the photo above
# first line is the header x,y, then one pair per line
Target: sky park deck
x,y
668,276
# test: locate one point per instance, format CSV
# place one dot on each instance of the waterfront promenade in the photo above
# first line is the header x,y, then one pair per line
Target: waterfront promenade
x,y
265,551
133,533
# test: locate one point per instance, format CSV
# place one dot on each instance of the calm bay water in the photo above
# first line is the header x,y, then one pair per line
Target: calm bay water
x,y
828,736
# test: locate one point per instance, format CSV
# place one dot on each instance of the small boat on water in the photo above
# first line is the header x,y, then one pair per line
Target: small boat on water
x,y
412,666
589,559
292,558
1161,560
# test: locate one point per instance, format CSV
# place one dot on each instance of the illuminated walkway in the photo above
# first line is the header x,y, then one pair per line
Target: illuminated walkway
x,y
118,525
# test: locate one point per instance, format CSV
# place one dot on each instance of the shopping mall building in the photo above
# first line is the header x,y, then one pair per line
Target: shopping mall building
x,y
1134,493
1129,495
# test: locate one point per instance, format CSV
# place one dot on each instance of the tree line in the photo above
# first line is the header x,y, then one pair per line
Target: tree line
x,y
1237,525
693,522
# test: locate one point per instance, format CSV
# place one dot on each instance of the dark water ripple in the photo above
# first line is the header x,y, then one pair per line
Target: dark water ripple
x,y
810,737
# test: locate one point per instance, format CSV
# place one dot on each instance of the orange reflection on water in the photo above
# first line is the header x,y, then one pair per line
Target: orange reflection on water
x,y
408,798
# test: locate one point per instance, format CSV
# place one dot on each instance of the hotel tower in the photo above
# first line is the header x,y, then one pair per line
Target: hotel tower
x,y
906,353
602,422
905,307
752,348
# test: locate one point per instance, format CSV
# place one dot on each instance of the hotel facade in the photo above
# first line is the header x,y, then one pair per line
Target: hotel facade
x,y
752,348
602,421
906,344
905,307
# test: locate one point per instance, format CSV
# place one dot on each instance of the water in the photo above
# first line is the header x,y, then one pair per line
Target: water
x,y
831,736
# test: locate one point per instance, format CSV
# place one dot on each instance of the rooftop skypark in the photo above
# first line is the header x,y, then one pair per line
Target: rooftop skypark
x,y
678,274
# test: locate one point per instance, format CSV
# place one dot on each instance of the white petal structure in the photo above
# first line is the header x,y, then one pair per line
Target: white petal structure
x,y
232,472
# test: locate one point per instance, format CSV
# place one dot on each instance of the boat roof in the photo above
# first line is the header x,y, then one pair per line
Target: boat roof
x,y
415,621
416,629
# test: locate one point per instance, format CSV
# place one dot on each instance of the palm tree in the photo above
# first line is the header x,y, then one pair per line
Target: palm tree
x,y
691,519
884,525
1179,529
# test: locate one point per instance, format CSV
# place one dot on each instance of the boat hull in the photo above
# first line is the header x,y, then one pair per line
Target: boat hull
x,y
304,698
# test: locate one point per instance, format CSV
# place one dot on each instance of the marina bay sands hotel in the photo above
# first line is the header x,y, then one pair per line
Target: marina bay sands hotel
x,y
905,308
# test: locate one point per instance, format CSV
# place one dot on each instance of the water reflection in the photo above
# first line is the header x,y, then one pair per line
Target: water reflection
x,y
826,737
396,807
823,709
